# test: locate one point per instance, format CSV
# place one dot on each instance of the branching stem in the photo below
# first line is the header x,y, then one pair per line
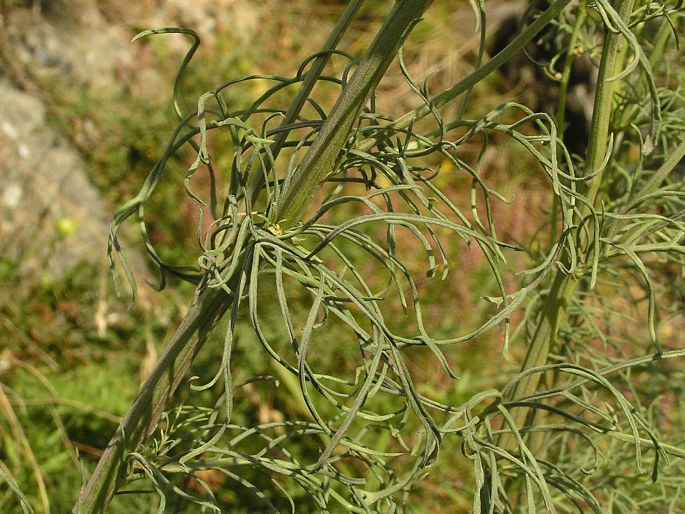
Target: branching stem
x,y
564,285
210,304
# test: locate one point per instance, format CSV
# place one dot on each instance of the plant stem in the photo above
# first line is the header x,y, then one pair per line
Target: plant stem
x,y
256,177
320,160
612,56
563,97
467,83
141,418
210,304
564,285
568,66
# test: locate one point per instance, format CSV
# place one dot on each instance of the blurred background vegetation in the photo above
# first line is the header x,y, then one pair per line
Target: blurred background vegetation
x,y
71,355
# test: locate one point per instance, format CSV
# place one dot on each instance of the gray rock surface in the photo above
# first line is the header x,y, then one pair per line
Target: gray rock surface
x,y
51,216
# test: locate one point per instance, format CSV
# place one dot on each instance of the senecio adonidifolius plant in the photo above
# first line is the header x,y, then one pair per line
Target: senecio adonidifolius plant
x,y
314,220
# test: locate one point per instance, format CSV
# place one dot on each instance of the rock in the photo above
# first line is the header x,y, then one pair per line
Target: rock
x,y
51,216
82,50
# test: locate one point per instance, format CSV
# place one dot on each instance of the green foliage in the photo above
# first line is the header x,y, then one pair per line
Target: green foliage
x,y
378,435
329,232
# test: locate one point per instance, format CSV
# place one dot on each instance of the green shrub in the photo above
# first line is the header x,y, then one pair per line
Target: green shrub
x,y
329,224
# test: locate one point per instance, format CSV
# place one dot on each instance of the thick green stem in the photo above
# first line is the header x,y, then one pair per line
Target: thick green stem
x,y
564,286
257,176
211,304
322,157
609,67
